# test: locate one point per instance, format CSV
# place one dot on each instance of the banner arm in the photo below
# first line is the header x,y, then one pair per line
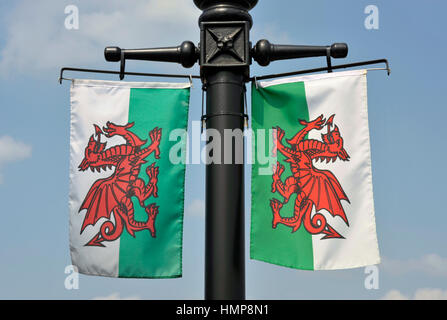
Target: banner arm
x,y
341,66
162,75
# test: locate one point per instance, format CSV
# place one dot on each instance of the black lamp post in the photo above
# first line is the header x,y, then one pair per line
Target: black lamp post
x,y
224,56
224,61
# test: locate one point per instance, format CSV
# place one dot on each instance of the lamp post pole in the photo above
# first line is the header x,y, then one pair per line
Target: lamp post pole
x,y
224,204
224,55
224,61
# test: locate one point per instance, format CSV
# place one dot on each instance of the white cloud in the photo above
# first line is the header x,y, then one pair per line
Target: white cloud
x,y
420,294
12,150
394,295
430,294
196,208
431,264
117,296
37,39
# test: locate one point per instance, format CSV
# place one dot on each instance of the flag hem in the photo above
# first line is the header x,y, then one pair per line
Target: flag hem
x,y
347,266
364,108
129,277
119,84
281,264
183,194
265,84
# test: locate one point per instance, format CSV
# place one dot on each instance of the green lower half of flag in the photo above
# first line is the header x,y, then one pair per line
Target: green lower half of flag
x,y
281,105
142,255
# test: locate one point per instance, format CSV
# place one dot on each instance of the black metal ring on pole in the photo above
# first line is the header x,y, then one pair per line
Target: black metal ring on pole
x,y
205,117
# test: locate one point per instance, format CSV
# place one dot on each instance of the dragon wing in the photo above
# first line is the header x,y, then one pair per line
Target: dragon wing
x,y
102,197
324,190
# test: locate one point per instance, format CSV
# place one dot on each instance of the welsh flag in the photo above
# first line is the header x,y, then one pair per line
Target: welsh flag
x,y
312,195
126,196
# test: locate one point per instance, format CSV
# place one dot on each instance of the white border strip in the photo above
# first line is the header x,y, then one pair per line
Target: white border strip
x,y
120,84
265,84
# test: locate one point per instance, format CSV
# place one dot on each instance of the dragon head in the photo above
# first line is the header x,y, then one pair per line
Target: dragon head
x,y
92,153
334,141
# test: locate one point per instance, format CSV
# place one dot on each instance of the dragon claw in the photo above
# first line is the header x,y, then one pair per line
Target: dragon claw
x,y
276,205
152,172
112,129
317,124
278,169
155,135
278,135
152,212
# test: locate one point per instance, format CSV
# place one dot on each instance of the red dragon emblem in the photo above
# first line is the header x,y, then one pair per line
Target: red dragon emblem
x,y
113,194
313,187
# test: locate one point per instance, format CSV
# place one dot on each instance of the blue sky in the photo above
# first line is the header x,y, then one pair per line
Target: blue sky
x,y
406,114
